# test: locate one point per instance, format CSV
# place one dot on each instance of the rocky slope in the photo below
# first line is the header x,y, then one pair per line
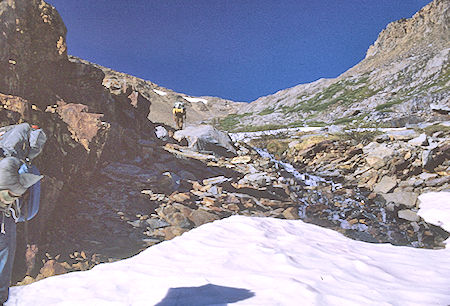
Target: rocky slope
x,y
161,99
363,186
403,79
116,183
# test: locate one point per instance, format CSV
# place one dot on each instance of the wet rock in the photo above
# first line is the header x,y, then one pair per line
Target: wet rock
x,y
409,199
385,185
186,211
408,215
200,217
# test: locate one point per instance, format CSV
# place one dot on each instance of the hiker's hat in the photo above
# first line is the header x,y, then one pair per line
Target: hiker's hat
x,y
11,180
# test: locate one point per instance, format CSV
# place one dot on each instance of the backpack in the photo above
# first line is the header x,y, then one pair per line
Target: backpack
x,y
22,141
179,105
25,143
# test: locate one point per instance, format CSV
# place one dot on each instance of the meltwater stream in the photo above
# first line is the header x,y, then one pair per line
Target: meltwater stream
x,y
326,203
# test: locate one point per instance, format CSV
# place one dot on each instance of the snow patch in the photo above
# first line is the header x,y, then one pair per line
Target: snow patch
x,y
160,92
196,100
434,208
255,261
246,136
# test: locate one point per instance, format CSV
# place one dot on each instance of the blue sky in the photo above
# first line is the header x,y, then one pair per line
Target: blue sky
x,y
234,49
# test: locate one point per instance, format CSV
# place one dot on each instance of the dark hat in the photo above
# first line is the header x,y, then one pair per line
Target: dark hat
x,y
11,180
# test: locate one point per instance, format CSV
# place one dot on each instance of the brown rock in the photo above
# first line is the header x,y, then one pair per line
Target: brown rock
x,y
386,184
179,197
207,201
172,232
200,217
84,126
186,211
291,213
241,159
234,207
52,268
197,186
81,266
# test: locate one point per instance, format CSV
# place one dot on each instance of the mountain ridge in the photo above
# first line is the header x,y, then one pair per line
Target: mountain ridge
x,y
404,73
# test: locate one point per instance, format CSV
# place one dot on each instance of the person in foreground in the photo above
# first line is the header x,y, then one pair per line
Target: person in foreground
x,y
12,186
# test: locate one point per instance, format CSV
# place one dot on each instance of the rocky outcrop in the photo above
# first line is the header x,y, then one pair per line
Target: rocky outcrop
x,y
428,26
86,124
205,138
32,46
159,110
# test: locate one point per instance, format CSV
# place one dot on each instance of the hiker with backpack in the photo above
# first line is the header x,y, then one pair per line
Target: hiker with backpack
x,y
19,144
179,114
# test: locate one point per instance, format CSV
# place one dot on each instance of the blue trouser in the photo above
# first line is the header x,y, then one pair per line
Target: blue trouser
x,y
7,251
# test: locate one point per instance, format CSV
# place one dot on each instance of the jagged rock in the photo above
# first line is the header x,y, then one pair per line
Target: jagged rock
x,y
186,211
156,223
52,268
377,154
205,138
260,179
179,197
421,140
170,232
408,215
438,181
178,219
409,199
200,217
216,180
385,185
291,213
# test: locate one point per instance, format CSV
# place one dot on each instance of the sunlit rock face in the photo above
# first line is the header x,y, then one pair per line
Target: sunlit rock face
x,y
32,45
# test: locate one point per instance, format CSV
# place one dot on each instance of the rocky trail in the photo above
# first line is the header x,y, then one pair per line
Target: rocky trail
x,y
361,189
